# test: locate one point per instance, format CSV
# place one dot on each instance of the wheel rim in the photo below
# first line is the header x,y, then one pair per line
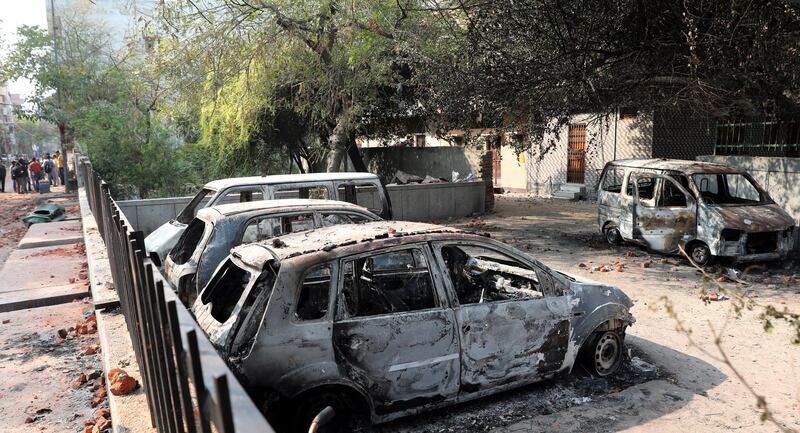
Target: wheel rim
x,y
606,354
699,254
612,235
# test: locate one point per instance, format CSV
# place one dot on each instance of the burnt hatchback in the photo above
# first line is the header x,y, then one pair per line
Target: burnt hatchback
x,y
395,318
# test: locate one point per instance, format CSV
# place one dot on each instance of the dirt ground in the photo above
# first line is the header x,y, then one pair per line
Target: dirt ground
x,y
668,384
48,382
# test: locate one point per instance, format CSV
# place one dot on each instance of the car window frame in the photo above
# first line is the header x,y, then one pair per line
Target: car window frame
x,y
382,193
540,269
439,293
277,187
221,194
298,287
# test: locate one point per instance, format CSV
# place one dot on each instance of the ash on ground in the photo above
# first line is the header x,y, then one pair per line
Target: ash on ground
x,y
543,398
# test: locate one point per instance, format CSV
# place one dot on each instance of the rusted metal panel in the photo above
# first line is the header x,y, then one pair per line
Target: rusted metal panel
x,y
503,341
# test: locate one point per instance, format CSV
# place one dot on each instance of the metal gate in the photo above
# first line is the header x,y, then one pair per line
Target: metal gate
x,y
576,153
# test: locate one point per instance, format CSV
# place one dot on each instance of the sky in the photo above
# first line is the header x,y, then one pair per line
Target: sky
x,y
14,13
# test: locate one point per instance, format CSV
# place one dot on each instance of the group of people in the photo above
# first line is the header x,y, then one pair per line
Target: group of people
x,y
25,175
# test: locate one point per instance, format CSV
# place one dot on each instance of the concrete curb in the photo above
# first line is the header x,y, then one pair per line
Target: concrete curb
x,y
129,413
104,295
68,294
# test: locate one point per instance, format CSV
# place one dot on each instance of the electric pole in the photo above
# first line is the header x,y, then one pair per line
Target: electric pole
x,y
61,125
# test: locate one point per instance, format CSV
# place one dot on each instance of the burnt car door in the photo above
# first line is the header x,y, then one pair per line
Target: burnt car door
x,y
665,213
393,334
513,317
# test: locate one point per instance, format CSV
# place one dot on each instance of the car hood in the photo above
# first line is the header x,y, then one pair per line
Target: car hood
x,y
589,293
164,238
758,218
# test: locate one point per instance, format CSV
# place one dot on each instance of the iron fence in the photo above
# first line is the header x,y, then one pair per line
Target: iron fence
x,y
187,390
777,138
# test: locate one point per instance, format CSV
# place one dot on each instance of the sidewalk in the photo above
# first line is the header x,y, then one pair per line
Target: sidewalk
x,y
49,356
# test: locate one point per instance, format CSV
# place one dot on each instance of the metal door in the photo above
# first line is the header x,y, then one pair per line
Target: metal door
x,y
662,223
576,153
512,340
402,359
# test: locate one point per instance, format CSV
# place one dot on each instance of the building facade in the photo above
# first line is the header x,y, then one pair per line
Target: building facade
x,y
8,139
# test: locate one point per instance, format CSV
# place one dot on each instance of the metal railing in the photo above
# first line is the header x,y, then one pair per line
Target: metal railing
x,y
780,139
188,386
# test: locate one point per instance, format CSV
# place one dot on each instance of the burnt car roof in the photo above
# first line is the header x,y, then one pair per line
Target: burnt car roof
x,y
330,238
277,206
682,165
287,178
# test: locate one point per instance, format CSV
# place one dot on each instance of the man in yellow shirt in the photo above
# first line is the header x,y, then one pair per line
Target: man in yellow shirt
x,y
60,166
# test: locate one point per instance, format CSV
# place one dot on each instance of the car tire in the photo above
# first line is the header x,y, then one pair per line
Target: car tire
x,y
308,407
602,354
699,253
612,234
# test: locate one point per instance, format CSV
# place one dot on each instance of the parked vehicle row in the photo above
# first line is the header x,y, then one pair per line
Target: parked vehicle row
x,y
320,304
364,189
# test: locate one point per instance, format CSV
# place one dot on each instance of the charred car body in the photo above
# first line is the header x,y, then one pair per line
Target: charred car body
x,y
707,209
363,189
210,236
402,317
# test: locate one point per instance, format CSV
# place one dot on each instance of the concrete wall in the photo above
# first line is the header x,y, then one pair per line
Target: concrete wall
x,y
780,177
513,170
435,161
147,215
430,202
547,160
436,201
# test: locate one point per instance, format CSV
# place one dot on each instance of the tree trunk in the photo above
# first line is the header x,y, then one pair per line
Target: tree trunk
x,y
355,155
337,143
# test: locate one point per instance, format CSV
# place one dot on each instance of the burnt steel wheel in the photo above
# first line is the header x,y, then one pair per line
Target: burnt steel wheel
x,y
603,355
613,236
700,253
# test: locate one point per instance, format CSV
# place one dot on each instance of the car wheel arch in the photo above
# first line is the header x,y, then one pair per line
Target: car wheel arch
x,y
612,316
354,392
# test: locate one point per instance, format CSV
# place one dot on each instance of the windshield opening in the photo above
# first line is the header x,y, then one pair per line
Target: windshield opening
x,y
190,210
188,241
728,189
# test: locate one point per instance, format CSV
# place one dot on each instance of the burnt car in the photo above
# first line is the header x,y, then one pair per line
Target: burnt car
x,y
395,318
709,210
363,189
210,236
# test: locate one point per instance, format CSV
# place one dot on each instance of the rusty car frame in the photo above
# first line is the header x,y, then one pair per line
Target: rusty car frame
x,y
364,189
395,318
210,236
708,210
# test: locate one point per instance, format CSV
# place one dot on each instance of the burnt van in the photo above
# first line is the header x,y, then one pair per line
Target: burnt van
x,y
709,210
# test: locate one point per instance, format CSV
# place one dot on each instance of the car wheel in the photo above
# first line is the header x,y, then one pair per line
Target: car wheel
x,y
613,237
700,254
603,355
307,408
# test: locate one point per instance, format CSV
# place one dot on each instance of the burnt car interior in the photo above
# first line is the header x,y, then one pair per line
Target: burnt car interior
x,y
391,282
188,242
727,189
263,228
225,290
365,195
312,303
482,275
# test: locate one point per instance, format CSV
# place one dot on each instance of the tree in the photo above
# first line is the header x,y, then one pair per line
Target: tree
x,y
40,133
298,77
108,104
526,63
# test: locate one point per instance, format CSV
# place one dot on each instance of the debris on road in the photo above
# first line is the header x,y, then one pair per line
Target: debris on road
x,y
121,382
